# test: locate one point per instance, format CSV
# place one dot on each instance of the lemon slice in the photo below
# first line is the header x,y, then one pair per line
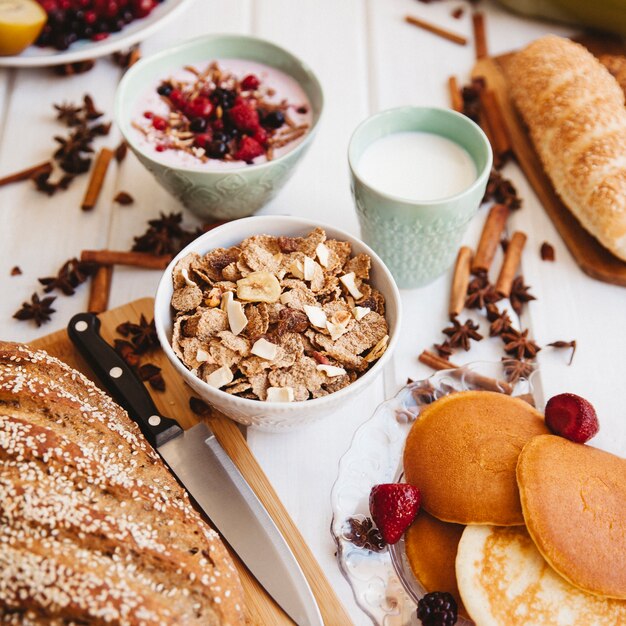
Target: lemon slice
x,y
21,22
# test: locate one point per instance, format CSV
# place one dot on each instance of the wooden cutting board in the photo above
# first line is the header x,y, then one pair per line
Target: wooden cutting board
x,y
593,259
261,610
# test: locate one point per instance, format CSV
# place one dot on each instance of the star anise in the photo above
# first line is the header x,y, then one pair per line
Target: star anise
x,y
155,242
518,344
480,293
364,534
69,113
565,344
71,274
519,294
500,321
460,334
127,351
91,112
143,336
514,369
38,310
152,374
444,349
502,191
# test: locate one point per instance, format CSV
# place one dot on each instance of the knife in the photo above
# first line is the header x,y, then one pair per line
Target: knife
x,y
209,475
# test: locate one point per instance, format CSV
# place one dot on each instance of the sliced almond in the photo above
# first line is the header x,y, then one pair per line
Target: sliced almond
x,y
185,275
336,330
220,377
265,349
331,370
323,254
309,268
316,316
280,394
350,284
227,297
259,287
360,312
202,356
297,269
237,319
378,350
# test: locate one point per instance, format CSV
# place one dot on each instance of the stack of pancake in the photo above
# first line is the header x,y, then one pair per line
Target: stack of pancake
x,y
521,526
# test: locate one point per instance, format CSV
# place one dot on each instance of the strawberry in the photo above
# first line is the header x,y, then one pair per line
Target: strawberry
x,y
393,508
249,149
572,417
244,117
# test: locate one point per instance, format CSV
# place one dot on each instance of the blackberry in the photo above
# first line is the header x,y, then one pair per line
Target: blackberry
x,y
437,609
274,119
198,125
217,149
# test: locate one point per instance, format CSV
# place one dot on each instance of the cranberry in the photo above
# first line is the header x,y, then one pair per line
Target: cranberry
x,y
141,8
160,148
111,9
199,107
148,115
100,36
250,83
177,98
159,123
90,17
201,141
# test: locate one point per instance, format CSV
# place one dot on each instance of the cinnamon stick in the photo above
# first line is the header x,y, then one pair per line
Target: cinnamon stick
x,y
483,382
460,281
480,37
490,109
436,30
100,289
511,262
135,259
490,238
97,179
456,101
29,172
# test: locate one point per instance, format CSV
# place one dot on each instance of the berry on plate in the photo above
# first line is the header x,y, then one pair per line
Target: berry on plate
x,y
393,507
572,417
437,609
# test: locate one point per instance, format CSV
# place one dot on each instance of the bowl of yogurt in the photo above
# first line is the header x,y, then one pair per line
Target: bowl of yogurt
x,y
220,121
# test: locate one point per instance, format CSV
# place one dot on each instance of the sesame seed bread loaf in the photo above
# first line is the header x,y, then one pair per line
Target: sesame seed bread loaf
x,y
93,528
575,112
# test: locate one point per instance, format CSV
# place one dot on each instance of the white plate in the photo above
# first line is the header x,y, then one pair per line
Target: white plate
x,y
84,49
382,583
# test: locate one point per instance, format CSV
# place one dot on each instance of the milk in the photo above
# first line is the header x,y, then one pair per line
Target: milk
x,y
418,166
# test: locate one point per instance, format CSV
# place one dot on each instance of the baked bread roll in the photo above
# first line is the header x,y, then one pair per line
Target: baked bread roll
x,y
93,527
575,112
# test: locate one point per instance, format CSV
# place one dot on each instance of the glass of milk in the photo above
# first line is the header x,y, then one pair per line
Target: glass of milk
x,y
418,175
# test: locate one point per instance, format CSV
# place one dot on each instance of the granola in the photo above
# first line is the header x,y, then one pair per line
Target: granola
x,y
278,318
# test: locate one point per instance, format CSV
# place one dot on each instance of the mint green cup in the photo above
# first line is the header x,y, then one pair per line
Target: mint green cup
x,y
418,241
211,193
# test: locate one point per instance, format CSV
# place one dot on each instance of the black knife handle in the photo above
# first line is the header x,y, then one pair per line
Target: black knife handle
x,y
120,380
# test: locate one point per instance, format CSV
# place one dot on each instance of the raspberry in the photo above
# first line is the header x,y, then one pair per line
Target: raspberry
x,y
199,107
249,149
572,417
260,136
393,508
437,609
201,141
250,83
244,117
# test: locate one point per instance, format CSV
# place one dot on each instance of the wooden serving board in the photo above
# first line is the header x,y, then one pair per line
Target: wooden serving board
x,y
261,610
593,259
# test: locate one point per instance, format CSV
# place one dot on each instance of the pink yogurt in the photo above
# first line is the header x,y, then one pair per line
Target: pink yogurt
x,y
284,86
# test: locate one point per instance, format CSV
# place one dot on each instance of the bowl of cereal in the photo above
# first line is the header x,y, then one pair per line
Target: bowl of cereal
x,y
277,321
220,120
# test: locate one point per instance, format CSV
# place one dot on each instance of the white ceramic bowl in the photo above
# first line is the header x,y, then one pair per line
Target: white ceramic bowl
x,y
275,416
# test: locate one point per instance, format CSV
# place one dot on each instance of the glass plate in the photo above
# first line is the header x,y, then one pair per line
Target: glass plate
x,y
383,584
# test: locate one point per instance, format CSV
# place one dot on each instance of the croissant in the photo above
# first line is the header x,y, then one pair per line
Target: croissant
x,y
574,109
93,527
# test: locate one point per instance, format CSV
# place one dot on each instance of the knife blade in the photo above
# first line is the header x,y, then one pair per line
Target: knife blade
x,y
209,475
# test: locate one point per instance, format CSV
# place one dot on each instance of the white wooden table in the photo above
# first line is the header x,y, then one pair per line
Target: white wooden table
x,y
367,59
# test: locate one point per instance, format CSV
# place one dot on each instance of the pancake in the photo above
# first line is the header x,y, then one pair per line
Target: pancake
x,y
430,547
504,581
574,502
462,453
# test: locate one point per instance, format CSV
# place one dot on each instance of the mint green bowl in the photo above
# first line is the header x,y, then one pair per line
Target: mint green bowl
x,y
214,194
